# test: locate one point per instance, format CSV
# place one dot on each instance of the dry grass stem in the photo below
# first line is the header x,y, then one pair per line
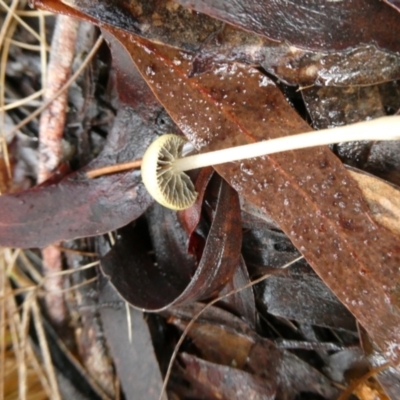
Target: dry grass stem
x,y
21,374
43,48
33,13
3,321
27,46
20,21
79,252
128,321
21,102
8,19
35,113
45,351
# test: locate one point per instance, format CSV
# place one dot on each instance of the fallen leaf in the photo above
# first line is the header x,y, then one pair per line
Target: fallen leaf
x,y
131,346
129,261
361,65
308,192
383,200
320,25
331,106
211,41
222,382
46,214
298,294
223,339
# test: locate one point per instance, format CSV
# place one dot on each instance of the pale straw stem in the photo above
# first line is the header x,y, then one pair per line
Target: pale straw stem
x,y
385,128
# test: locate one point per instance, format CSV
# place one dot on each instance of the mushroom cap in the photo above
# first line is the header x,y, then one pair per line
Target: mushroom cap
x,y
171,189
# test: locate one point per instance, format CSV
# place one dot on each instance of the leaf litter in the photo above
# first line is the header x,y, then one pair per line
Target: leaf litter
x,y
233,95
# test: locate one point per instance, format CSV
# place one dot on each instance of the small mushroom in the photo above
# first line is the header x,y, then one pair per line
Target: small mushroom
x,y
171,188
163,165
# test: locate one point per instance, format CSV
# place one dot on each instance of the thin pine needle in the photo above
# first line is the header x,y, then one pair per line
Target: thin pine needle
x,y
7,20
3,324
79,252
35,113
37,318
4,47
21,102
43,48
33,13
19,20
38,368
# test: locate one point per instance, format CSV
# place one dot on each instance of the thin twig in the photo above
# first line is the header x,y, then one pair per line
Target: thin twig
x,y
52,120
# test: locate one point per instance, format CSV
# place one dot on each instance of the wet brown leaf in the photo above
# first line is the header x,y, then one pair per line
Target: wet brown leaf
x,y
224,339
222,382
175,282
362,65
383,200
394,3
308,192
213,42
322,25
298,294
329,107
48,213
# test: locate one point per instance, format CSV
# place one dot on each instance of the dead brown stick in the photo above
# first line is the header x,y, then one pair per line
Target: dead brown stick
x,y
112,169
52,120
51,129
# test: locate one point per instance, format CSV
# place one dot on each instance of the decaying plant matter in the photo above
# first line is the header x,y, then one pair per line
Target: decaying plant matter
x,y
223,75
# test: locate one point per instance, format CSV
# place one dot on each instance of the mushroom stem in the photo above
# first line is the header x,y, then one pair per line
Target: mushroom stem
x,y
385,128
111,169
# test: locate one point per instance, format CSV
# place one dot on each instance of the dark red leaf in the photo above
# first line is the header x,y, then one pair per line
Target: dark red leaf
x,y
224,339
321,25
241,303
212,42
129,262
361,65
221,382
78,206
